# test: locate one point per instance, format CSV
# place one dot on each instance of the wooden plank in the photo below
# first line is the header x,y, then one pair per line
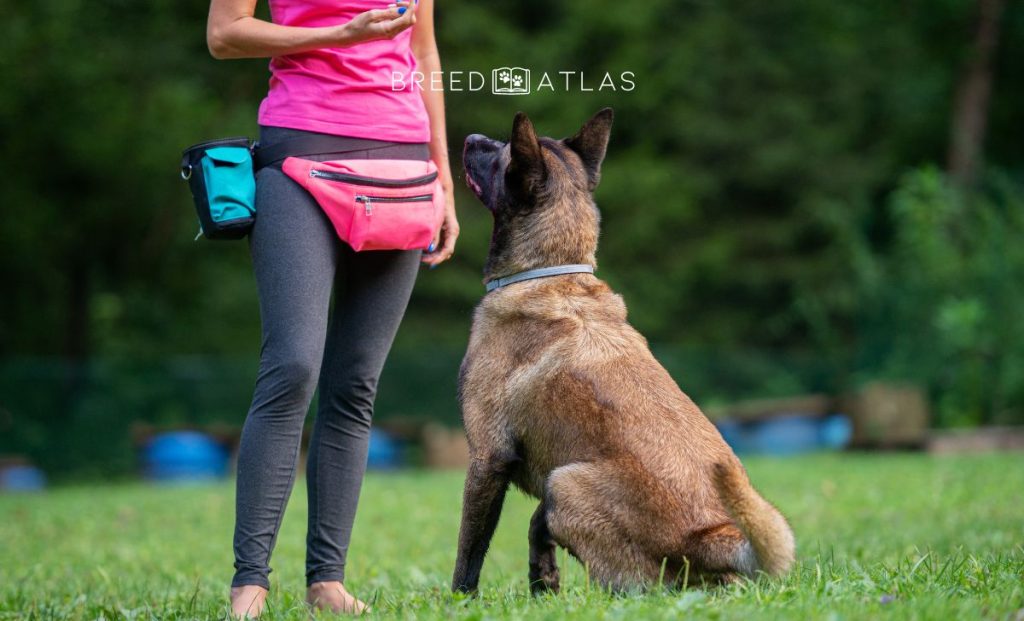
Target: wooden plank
x,y
981,440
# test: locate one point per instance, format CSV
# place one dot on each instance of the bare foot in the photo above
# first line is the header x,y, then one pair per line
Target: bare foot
x,y
332,596
247,601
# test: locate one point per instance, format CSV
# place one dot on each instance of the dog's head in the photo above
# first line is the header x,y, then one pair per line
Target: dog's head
x,y
540,193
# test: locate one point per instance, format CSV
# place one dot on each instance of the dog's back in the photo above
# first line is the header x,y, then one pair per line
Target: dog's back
x,y
580,381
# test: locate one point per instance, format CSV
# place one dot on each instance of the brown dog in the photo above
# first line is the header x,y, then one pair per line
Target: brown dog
x,y
562,397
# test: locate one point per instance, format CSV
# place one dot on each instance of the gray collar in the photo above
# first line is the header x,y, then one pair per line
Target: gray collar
x,y
540,272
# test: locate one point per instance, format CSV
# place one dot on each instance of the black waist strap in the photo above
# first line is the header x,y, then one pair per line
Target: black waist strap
x,y
318,144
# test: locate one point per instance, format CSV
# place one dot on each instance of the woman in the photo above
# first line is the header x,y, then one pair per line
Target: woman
x,y
332,68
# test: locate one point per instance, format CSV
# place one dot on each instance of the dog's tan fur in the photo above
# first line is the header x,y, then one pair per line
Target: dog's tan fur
x,y
562,397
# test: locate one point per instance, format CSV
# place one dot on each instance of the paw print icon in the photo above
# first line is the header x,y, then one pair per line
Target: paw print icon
x,y
510,81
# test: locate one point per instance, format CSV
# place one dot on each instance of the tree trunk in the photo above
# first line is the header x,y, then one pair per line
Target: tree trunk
x,y
970,110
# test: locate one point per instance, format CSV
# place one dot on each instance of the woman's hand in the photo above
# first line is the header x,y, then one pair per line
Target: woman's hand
x,y
233,32
444,243
378,24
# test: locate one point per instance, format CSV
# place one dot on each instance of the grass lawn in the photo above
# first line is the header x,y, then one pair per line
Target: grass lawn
x,y
893,537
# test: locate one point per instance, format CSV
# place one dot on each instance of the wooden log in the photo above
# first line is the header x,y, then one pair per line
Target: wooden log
x,y
444,448
888,415
763,409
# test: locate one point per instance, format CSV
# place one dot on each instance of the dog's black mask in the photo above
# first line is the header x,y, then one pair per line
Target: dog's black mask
x,y
481,159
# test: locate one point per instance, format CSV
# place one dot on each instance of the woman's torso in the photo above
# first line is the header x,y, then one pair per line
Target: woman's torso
x,y
344,91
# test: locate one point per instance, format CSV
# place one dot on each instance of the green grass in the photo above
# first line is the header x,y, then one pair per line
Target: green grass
x,y
893,537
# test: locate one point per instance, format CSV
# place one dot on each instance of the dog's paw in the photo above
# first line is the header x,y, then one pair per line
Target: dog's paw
x,y
464,589
544,582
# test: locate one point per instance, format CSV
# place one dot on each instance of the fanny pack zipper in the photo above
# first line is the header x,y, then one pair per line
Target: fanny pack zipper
x,y
368,201
371,181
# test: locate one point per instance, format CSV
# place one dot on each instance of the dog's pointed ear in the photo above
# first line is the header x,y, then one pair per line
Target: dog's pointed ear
x,y
526,170
591,143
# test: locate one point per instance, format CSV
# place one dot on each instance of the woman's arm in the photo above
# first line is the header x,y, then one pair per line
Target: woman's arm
x,y
233,32
428,62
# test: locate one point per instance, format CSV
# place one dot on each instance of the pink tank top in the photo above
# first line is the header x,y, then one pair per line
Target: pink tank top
x,y
344,91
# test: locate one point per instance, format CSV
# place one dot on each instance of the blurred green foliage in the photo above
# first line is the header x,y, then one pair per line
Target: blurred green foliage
x,y
771,210
943,307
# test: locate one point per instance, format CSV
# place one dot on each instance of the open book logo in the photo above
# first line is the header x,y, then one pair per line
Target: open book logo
x,y
510,81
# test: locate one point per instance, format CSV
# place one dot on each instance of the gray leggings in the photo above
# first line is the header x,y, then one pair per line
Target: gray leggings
x,y
298,259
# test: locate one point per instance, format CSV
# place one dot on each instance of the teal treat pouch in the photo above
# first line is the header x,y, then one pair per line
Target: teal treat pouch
x,y
220,176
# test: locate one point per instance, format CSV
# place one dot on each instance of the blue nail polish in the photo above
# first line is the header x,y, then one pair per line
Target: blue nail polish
x,y
434,266
401,10
430,248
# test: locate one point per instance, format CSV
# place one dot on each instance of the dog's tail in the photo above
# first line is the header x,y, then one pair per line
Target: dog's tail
x,y
765,528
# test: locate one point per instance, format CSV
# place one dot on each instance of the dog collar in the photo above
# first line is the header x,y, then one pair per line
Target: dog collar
x,y
540,272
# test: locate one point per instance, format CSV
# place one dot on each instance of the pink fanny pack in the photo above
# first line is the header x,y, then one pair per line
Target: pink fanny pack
x,y
375,204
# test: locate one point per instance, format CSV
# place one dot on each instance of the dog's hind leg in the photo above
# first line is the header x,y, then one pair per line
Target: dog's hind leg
x,y
543,564
585,518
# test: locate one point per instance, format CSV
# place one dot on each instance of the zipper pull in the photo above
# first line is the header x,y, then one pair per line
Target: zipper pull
x,y
366,203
